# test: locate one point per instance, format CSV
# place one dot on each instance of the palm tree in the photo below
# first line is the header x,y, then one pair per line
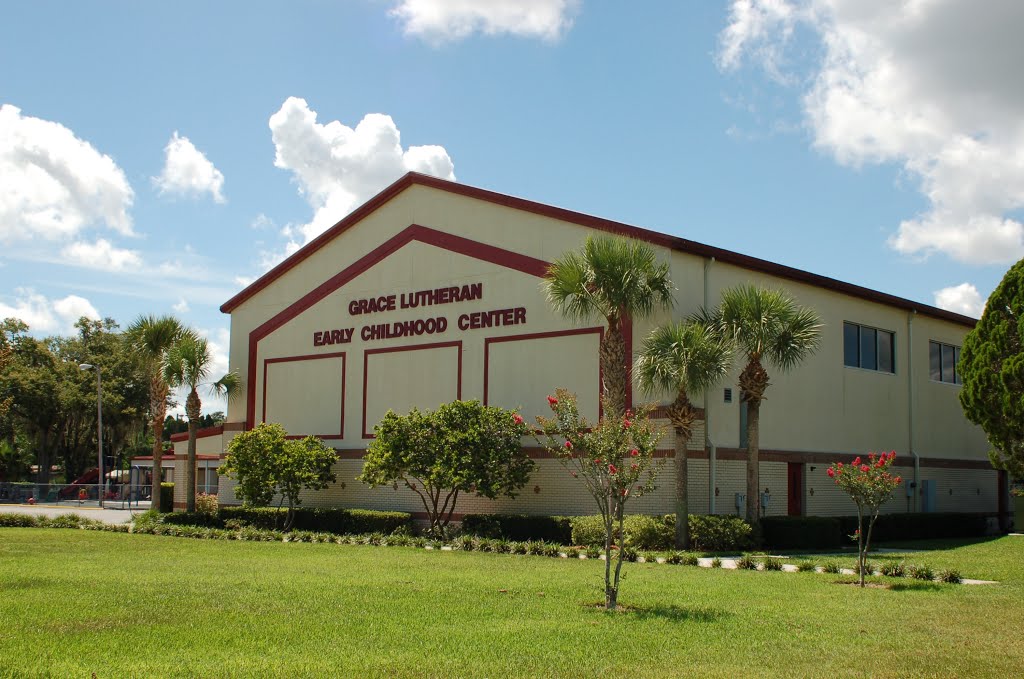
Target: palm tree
x,y
151,338
767,326
188,365
683,358
614,279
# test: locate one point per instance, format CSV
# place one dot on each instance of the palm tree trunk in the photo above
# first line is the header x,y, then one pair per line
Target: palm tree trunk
x,y
192,409
753,470
158,408
682,491
613,369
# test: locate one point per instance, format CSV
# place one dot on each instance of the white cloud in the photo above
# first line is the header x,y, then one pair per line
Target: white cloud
x,y
244,281
338,168
181,307
101,255
932,85
440,21
188,172
963,299
45,315
53,184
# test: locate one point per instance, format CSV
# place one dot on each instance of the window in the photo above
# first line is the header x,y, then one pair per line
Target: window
x,y
943,359
869,348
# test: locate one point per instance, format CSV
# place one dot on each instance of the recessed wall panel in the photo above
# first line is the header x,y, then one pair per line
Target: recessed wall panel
x,y
306,394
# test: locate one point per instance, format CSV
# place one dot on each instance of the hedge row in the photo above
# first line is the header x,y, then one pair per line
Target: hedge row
x,y
317,519
818,532
707,533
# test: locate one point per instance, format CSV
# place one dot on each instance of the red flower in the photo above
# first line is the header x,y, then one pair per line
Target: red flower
x,y
634,466
831,473
627,424
568,445
865,468
629,413
856,461
857,532
899,479
597,462
634,452
552,401
892,455
517,418
612,469
840,465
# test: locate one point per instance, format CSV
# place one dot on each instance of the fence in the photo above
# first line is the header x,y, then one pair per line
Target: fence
x,y
81,494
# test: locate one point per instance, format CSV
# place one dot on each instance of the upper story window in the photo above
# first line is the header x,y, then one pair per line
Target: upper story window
x,y
943,359
869,348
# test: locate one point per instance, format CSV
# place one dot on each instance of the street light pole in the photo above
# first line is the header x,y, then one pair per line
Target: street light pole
x,y
99,422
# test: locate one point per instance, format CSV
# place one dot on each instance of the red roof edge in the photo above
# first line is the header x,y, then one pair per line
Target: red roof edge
x,y
598,223
202,433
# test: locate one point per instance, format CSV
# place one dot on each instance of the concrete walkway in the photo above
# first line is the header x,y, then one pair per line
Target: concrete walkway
x,y
94,512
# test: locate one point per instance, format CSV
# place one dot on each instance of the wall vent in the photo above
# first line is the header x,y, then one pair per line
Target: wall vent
x,y
728,395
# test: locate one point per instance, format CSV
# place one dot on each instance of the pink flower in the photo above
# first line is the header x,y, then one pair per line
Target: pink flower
x,y
568,445
517,418
892,455
840,465
612,469
899,479
634,452
552,401
865,468
831,473
856,461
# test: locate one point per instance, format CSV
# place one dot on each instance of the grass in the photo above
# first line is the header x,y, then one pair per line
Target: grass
x,y
75,602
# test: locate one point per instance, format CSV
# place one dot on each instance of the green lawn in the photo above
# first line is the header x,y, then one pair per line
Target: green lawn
x,y
75,602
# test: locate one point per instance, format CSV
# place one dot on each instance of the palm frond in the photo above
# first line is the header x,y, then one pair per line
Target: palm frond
x,y
229,385
683,357
187,363
768,324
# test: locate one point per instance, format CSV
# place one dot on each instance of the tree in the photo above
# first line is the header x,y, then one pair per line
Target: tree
x,y
265,464
870,486
682,358
768,326
187,365
462,447
991,368
614,279
615,460
152,338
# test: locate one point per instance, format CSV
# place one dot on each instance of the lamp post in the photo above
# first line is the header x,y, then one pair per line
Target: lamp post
x,y
99,421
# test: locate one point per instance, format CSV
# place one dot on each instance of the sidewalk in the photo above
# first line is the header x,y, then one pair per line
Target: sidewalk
x,y
105,515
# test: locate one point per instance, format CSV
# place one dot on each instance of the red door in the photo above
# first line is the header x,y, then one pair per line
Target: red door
x,y
795,474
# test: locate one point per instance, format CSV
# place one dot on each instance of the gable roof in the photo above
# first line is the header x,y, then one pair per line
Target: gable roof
x,y
589,221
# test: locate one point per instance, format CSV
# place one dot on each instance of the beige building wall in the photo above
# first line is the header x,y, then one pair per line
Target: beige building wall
x,y
339,390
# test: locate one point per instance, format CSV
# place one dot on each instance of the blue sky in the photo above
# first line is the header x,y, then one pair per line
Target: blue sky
x,y
155,156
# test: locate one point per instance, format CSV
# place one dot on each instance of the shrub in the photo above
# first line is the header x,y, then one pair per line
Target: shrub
x,y
552,550
642,532
716,562
893,569
465,543
520,527
521,548
191,519
630,554
714,533
208,504
593,552
869,568
806,566
801,532
922,572
675,558
951,576
166,498
322,519
921,526
18,521
690,559
772,563
747,563
830,567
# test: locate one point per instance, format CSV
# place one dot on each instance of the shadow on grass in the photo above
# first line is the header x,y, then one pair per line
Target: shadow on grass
x,y
679,613
919,586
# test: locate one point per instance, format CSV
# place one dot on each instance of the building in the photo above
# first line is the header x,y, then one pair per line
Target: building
x,y
431,292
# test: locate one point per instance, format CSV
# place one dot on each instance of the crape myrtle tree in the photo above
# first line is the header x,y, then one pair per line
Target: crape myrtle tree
x,y
615,461
187,364
870,485
991,368
682,358
768,327
462,447
266,464
613,279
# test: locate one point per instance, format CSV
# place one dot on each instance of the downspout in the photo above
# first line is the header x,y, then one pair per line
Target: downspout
x,y
916,490
708,443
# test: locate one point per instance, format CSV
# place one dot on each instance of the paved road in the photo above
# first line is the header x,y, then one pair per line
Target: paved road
x,y
105,515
